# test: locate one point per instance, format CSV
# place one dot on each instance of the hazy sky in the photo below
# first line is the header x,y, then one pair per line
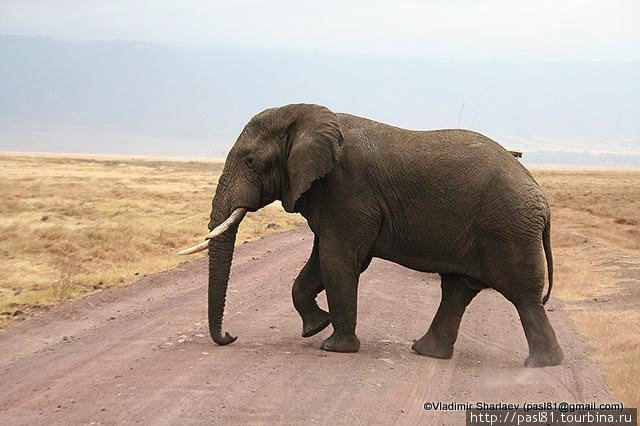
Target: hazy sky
x,y
493,29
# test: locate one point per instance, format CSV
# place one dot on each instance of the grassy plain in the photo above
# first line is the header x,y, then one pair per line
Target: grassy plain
x,y
596,248
73,226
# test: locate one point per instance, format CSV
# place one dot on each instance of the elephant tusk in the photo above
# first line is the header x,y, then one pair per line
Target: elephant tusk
x,y
235,217
198,247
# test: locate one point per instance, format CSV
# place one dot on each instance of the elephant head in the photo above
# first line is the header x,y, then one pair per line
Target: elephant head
x,y
278,155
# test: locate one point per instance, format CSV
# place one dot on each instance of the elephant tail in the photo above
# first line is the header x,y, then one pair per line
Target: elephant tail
x,y
546,244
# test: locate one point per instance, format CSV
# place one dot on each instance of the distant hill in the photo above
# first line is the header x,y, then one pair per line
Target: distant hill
x,y
581,159
131,97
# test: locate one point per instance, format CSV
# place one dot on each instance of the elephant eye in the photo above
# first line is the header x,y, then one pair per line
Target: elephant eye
x,y
250,161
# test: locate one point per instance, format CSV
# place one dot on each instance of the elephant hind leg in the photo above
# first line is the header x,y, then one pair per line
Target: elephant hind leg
x,y
544,350
457,293
524,289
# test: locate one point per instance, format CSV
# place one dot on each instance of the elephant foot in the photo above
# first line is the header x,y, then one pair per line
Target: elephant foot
x,y
341,343
545,359
429,345
314,323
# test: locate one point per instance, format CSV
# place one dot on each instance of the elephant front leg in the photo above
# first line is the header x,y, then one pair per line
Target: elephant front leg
x,y
306,288
340,274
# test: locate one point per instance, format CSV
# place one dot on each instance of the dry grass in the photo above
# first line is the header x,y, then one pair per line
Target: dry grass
x,y
70,227
611,200
596,241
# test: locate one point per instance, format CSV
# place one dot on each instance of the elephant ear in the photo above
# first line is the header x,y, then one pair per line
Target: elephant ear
x,y
314,139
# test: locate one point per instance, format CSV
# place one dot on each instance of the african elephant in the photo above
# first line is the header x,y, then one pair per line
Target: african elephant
x,y
452,202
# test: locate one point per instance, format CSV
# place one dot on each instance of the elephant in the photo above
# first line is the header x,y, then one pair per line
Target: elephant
x,y
452,202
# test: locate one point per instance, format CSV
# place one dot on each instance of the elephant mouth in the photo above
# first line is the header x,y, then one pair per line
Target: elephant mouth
x,y
234,218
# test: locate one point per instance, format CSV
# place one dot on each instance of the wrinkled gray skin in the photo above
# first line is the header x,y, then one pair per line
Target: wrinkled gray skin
x,y
451,202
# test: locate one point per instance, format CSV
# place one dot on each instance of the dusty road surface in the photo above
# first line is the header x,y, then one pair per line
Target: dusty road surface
x,y
142,354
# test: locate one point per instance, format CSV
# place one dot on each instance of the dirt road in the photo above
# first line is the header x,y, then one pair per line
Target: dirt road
x,y
142,354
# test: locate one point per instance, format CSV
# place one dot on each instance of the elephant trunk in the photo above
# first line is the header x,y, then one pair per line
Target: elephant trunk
x,y
220,256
